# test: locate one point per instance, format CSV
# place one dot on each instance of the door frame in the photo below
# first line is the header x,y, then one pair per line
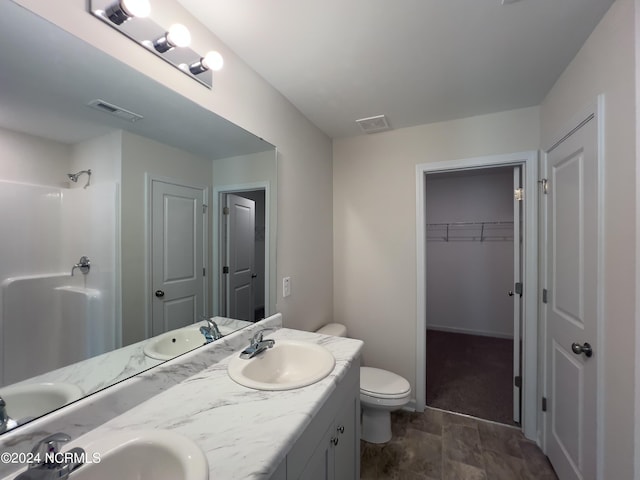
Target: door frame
x,y
594,111
218,193
148,229
529,161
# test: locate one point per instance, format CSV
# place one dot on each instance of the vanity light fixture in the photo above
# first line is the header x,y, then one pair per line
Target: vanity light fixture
x,y
131,18
177,36
211,61
123,10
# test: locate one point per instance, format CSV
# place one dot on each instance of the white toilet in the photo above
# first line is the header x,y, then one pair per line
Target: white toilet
x,y
381,392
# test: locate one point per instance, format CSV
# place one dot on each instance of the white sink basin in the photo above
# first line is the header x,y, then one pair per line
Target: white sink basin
x,y
33,400
176,342
288,364
143,455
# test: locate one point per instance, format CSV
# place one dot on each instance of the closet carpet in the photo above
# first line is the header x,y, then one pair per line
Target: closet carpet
x,y
470,374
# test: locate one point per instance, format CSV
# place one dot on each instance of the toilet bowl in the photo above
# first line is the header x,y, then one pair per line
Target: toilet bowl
x,y
381,392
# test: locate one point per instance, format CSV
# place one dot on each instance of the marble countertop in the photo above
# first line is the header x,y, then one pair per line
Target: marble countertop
x,y
108,368
244,433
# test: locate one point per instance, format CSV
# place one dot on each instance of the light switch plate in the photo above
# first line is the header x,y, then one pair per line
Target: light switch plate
x,y
286,286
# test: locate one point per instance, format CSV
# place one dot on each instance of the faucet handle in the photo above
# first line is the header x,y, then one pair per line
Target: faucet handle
x,y
257,337
48,445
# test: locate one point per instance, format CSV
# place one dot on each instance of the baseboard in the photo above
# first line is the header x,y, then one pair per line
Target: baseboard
x,y
411,406
469,331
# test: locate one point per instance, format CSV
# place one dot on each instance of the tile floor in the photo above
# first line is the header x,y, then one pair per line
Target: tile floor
x,y
438,445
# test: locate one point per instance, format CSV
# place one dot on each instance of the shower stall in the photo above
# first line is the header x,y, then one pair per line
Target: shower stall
x,y
50,318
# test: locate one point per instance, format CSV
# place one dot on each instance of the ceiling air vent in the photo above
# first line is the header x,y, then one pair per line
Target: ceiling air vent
x,y
373,124
114,110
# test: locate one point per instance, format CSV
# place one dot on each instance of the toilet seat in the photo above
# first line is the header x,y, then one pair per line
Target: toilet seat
x,y
380,385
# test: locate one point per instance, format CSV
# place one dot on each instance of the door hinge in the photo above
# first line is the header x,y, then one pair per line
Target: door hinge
x,y
225,270
544,295
204,272
545,183
544,404
204,208
225,211
519,288
518,194
517,381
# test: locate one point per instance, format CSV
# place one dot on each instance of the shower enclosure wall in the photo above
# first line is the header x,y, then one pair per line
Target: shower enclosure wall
x,y
49,318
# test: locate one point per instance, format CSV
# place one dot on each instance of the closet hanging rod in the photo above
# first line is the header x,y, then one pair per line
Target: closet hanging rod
x,y
445,232
467,223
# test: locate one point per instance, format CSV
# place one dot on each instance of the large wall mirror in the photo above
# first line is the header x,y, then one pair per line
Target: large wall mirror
x,y
129,215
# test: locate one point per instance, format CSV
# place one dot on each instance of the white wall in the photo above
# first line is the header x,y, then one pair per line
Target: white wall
x,y
468,280
374,222
606,64
36,160
101,155
305,249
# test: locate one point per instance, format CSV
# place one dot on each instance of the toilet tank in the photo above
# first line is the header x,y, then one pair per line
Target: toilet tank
x,y
334,329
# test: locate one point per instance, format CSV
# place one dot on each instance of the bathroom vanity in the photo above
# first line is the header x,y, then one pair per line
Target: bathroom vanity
x,y
309,432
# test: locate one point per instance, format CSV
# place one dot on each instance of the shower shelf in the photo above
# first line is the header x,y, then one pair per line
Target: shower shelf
x,y
470,231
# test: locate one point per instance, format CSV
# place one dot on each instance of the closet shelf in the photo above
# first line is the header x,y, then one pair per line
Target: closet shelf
x,y
470,231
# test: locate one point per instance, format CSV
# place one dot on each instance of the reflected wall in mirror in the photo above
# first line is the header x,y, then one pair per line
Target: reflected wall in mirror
x,y
146,212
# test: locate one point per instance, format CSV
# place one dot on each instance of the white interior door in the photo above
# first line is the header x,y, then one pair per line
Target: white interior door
x,y
572,270
241,219
177,273
517,293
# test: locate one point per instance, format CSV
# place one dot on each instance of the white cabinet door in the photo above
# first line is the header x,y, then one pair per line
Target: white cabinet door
x,y
321,462
347,434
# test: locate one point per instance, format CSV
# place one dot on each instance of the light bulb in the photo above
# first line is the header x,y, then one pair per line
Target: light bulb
x,y
123,10
213,61
178,35
136,8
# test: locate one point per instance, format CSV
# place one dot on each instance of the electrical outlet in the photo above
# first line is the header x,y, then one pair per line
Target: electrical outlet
x,y
286,286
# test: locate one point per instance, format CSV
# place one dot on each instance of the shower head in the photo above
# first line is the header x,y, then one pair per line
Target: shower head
x,y
74,176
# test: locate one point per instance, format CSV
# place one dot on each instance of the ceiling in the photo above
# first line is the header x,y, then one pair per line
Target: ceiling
x,y
415,61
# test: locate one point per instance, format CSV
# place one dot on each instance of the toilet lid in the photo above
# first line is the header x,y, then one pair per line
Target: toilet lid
x,y
378,382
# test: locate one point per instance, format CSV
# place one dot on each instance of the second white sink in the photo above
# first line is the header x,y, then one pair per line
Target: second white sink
x,y
182,340
174,343
27,401
143,455
287,365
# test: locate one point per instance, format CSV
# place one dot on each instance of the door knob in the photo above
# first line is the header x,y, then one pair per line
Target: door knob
x,y
159,293
578,349
510,293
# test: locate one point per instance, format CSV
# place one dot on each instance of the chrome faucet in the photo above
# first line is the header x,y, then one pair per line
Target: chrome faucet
x,y
257,344
84,264
6,422
211,332
48,463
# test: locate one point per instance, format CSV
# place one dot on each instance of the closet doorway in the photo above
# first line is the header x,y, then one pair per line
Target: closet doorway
x,y
474,304
473,251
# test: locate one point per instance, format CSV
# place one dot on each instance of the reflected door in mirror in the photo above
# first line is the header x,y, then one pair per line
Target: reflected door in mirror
x,y
177,226
240,216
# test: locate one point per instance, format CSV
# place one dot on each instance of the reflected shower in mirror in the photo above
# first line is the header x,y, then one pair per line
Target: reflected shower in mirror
x,y
110,191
